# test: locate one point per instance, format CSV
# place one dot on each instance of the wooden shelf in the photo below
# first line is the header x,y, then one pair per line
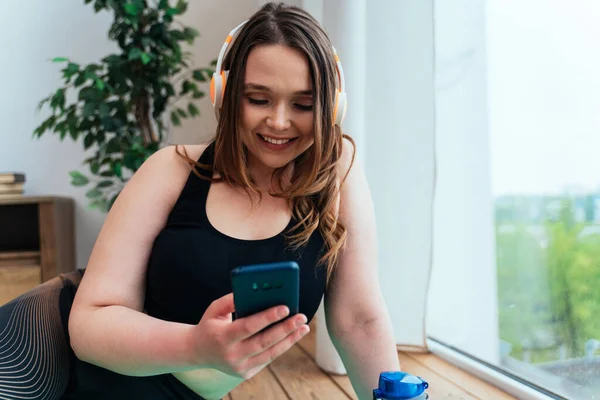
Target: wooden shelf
x,y
37,242
18,255
13,258
33,200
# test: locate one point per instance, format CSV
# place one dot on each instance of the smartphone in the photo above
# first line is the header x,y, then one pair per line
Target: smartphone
x,y
259,287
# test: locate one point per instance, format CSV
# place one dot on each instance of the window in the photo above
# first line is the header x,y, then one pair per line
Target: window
x,y
517,212
544,76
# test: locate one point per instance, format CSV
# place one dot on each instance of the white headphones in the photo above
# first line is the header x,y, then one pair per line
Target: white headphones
x,y
219,81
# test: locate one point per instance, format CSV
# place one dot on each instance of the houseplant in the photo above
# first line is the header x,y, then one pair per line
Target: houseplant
x,y
121,103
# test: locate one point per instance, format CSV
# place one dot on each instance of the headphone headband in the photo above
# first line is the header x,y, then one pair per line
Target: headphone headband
x,y
226,45
219,80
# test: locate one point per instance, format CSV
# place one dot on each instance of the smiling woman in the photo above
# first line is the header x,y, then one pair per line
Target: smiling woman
x,y
277,116
152,317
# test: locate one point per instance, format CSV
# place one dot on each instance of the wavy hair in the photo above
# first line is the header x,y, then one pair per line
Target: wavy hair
x,y
314,185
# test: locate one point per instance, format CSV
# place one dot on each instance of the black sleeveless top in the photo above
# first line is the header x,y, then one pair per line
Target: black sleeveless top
x,y
191,260
188,269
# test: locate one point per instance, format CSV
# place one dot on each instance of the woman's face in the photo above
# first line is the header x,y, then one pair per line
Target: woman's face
x,y
277,106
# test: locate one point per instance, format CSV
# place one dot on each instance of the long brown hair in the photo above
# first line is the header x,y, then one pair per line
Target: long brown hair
x,y
315,184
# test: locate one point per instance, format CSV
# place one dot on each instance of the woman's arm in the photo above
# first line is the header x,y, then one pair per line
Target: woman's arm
x,y
356,314
106,324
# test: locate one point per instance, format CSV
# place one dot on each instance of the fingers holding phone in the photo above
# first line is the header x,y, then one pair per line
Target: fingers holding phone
x,y
266,345
245,346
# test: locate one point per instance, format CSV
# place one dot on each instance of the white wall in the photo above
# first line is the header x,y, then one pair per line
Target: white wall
x,y
34,33
28,42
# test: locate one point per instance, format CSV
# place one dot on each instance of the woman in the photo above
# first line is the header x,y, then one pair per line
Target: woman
x,y
152,315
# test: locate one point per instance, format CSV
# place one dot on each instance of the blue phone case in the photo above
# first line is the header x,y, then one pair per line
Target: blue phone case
x,y
259,287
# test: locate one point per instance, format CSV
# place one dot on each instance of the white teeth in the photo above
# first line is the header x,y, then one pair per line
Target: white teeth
x,y
274,141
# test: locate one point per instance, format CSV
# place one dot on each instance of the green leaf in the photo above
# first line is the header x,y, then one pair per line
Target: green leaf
x,y
94,205
89,109
113,146
78,179
91,93
107,174
60,59
134,53
187,87
181,113
58,99
147,42
70,70
181,6
146,58
129,161
100,136
113,59
81,78
199,75
105,184
190,34
74,133
95,168
99,84
170,89
88,141
175,119
198,94
138,163
42,102
131,9
99,204
104,110
112,124
193,110
93,194
117,168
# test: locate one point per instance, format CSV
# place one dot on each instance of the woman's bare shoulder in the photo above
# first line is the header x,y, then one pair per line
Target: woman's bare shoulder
x,y
193,151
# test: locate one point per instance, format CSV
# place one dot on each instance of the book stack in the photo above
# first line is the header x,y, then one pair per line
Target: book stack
x,y
11,184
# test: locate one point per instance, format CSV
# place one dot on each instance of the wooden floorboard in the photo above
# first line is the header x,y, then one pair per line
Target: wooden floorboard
x,y
342,381
308,345
296,376
262,386
303,379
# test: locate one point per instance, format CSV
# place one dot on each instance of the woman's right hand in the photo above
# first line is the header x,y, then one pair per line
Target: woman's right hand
x,y
239,348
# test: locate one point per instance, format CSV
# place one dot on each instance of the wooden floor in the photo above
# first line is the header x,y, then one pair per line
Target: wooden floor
x,y
296,376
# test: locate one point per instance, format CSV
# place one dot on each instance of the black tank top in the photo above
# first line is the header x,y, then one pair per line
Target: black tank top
x,y
191,261
188,269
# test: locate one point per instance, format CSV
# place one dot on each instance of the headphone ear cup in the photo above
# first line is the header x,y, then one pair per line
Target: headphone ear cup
x,y
217,88
340,108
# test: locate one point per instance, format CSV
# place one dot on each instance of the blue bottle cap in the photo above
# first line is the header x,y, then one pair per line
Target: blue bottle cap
x,y
396,385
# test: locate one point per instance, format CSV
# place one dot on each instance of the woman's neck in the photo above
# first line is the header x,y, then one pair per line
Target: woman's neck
x,y
262,175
